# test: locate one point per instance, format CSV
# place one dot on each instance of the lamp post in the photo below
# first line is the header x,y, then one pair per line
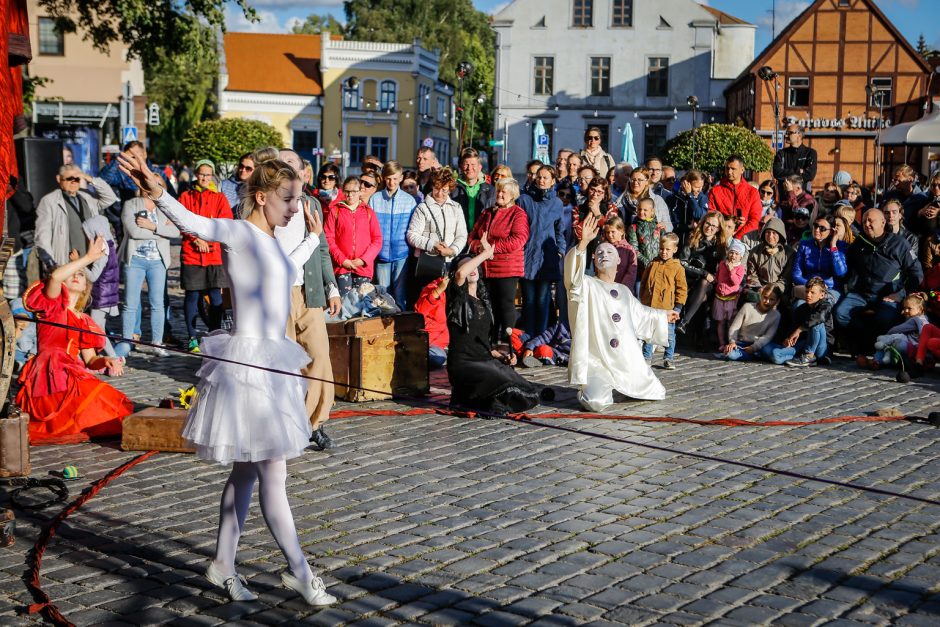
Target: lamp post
x,y
767,74
874,93
692,101
479,100
350,84
464,69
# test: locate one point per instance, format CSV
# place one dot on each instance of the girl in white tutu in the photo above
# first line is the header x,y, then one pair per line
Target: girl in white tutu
x,y
254,419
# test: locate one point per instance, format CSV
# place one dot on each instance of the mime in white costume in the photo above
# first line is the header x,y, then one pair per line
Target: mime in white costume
x,y
248,417
607,325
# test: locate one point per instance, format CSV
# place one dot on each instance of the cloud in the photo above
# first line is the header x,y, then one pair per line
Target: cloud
x,y
235,21
787,10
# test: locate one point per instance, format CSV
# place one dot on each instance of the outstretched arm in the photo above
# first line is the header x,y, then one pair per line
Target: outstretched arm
x,y
486,252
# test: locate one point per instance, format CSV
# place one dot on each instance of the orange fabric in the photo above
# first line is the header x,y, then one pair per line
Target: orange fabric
x,y
544,352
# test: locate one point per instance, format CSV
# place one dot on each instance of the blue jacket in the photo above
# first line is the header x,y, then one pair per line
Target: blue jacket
x,y
394,214
546,234
811,260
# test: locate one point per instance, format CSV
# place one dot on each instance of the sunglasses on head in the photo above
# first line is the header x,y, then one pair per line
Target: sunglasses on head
x,y
328,177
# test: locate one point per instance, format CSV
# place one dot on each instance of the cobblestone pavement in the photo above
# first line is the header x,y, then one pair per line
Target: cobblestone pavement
x,y
439,520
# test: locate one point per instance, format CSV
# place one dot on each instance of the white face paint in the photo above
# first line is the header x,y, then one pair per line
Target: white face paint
x,y
606,257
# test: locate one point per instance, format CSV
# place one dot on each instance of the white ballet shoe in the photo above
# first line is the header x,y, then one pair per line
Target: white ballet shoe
x,y
234,585
314,593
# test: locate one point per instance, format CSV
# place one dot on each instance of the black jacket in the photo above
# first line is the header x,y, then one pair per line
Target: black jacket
x,y
882,268
701,260
806,316
791,160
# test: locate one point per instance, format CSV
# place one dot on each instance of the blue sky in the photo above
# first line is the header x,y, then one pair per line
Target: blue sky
x,y
911,17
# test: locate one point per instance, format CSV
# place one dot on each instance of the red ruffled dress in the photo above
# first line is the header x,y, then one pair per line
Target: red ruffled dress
x,y
64,400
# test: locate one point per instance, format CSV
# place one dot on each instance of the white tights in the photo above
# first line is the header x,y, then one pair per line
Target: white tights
x,y
272,493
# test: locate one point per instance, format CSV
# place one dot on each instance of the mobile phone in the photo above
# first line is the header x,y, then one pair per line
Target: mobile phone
x,y
140,214
738,212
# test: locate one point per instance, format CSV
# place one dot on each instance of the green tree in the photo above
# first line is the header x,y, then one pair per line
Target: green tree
x,y
225,140
455,27
714,143
183,83
147,28
316,24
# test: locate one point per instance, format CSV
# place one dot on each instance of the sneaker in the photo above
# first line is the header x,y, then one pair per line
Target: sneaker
x,y
880,346
234,585
159,351
802,361
314,593
668,364
531,362
193,345
321,439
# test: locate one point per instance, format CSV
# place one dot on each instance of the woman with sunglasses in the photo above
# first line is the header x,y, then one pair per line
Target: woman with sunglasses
x,y
822,256
370,182
327,188
639,187
700,259
768,203
593,153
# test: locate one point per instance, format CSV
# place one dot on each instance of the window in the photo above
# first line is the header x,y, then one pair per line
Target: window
x,y
845,3
387,96
424,100
304,142
358,148
657,80
622,13
583,14
654,140
350,97
442,149
380,148
600,76
441,109
798,91
881,92
51,40
544,75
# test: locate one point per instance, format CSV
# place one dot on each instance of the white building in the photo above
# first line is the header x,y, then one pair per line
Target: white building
x,y
607,63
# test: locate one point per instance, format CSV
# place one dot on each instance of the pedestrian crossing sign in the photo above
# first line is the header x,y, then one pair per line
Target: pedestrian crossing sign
x,y
128,134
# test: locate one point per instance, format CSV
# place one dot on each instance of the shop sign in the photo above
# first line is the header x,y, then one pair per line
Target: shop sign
x,y
852,122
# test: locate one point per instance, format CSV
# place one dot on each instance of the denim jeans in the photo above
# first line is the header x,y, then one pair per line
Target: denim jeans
x,y
437,357
669,350
392,276
135,271
739,354
813,341
536,305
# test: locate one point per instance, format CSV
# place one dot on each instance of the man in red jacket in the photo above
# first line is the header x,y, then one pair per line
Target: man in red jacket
x,y
734,196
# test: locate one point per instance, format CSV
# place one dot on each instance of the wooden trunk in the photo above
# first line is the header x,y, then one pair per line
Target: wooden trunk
x,y
155,429
14,444
374,358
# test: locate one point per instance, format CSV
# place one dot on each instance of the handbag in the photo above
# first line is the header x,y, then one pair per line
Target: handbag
x,y
430,267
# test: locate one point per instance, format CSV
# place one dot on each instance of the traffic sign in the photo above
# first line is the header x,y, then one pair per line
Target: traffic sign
x,y
427,142
543,140
496,143
153,114
129,134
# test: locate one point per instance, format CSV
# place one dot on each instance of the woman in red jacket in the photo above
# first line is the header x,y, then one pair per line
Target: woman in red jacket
x,y
354,236
507,228
201,274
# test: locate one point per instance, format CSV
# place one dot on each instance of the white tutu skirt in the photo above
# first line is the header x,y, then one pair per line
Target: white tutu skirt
x,y
243,414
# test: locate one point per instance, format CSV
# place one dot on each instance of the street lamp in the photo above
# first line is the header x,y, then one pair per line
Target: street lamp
x,y
479,100
349,85
767,74
875,93
464,69
692,101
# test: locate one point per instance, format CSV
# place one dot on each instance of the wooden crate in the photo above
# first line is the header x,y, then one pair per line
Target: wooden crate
x,y
14,444
155,429
384,355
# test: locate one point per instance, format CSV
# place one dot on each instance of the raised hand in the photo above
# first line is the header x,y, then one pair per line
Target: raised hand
x,y
486,247
589,228
136,168
96,249
312,218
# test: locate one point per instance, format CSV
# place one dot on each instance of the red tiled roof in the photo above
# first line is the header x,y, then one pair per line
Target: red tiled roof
x,y
274,64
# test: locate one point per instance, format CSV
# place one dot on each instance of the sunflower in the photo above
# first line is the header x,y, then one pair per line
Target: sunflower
x,y
187,396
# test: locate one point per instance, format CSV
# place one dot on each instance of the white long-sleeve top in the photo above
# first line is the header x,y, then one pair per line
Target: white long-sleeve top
x,y
432,223
259,272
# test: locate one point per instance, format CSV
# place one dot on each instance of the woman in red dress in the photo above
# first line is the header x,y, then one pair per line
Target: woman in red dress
x,y
60,394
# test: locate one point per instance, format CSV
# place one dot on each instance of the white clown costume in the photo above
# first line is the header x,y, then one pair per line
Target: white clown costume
x,y
607,324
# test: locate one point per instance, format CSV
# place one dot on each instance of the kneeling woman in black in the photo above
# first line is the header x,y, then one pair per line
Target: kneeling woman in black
x,y
481,377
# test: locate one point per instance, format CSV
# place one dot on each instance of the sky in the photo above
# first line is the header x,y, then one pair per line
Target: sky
x,y
911,17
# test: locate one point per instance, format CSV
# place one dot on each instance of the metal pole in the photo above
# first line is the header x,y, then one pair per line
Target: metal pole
x,y
694,130
506,141
776,114
460,116
472,119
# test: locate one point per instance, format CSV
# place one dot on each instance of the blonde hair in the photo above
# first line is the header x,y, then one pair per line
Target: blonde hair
x,y
915,301
265,154
510,185
669,238
390,168
83,300
849,236
267,176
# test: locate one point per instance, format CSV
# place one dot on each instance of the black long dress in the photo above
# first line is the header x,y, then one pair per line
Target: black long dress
x,y
478,380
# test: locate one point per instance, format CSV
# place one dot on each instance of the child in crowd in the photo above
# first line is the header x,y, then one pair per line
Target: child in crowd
x,y
25,334
902,338
615,232
105,276
432,304
664,287
753,327
812,325
728,290
928,346
551,348
645,234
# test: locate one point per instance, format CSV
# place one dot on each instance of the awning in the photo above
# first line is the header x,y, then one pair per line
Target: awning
x,y
87,112
923,132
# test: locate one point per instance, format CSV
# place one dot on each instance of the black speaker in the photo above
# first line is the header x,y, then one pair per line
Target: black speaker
x,y
39,160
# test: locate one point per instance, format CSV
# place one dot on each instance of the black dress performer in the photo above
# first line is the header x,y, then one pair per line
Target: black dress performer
x,y
481,377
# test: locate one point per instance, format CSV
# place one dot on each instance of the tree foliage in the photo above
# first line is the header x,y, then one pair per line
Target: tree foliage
x,y
225,140
714,143
183,84
316,24
145,27
454,27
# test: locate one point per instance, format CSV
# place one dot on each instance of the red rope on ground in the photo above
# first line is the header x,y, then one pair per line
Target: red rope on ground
x,y
719,422
46,606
